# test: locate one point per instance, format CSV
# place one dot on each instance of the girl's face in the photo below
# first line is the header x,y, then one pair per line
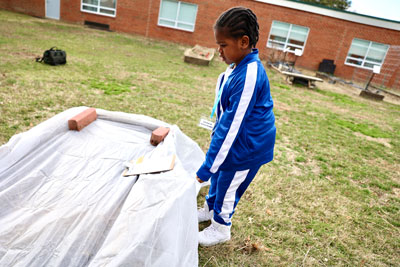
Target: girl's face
x,y
231,50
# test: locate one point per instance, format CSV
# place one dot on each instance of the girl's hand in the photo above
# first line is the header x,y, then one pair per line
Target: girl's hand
x,y
199,180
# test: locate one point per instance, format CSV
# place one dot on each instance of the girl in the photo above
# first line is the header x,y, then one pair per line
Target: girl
x,y
243,137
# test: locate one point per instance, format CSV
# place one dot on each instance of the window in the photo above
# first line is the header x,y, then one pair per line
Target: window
x,y
103,7
178,15
366,54
287,37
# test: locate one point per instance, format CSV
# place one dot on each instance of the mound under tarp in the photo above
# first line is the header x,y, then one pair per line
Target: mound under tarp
x,y
64,201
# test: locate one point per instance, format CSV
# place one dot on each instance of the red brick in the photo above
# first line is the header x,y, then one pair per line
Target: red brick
x,y
82,120
158,135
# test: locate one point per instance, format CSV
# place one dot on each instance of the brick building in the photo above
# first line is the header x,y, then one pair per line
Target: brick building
x,y
355,43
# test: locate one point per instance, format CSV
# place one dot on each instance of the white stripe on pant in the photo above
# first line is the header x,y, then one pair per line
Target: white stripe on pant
x,y
230,196
226,189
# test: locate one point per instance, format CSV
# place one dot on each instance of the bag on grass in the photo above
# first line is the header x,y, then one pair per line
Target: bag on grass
x,y
53,56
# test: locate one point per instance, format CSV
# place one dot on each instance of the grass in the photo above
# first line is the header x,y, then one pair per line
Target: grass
x,y
330,197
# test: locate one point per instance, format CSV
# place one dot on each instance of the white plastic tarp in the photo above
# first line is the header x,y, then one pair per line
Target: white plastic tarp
x,y
64,201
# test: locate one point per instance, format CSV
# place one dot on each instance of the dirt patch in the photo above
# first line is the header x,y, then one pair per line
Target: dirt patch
x,y
348,89
396,192
123,75
315,169
391,98
282,106
145,77
24,54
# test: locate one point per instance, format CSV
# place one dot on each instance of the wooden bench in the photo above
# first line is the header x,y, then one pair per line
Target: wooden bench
x,y
292,77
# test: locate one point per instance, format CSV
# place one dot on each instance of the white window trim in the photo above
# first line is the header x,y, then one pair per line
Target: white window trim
x,y
98,9
364,60
176,18
286,43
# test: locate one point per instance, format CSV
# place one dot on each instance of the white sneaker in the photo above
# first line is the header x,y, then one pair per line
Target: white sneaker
x,y
204,214
214,234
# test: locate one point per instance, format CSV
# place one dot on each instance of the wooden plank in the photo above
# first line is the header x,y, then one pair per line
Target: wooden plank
x,y
298,75
276,68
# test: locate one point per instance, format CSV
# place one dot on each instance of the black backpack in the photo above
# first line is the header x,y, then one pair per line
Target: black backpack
x,y
53,56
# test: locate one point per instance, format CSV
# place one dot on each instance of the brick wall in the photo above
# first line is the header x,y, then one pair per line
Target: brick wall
x,y
389,74
32,7
4,4
131,15
328,38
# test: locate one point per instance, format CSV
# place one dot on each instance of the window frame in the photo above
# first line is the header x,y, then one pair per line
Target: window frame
x,y
176,21
99,7
286,43
364,59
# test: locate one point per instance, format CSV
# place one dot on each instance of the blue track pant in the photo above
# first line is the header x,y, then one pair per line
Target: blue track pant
x,y
226,189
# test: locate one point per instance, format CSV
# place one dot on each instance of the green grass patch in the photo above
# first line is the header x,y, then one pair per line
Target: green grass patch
x,y
364,128
340,98
111,87
279,85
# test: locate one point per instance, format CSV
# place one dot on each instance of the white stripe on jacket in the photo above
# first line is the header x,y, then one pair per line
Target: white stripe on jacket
x,y
247,94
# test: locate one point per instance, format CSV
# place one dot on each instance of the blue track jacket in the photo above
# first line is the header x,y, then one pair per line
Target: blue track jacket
x,y
244,133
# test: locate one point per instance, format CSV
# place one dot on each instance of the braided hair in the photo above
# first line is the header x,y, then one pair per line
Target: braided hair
x,y
239,21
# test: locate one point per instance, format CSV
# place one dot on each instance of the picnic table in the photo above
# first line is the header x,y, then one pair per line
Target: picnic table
x,y
292,77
